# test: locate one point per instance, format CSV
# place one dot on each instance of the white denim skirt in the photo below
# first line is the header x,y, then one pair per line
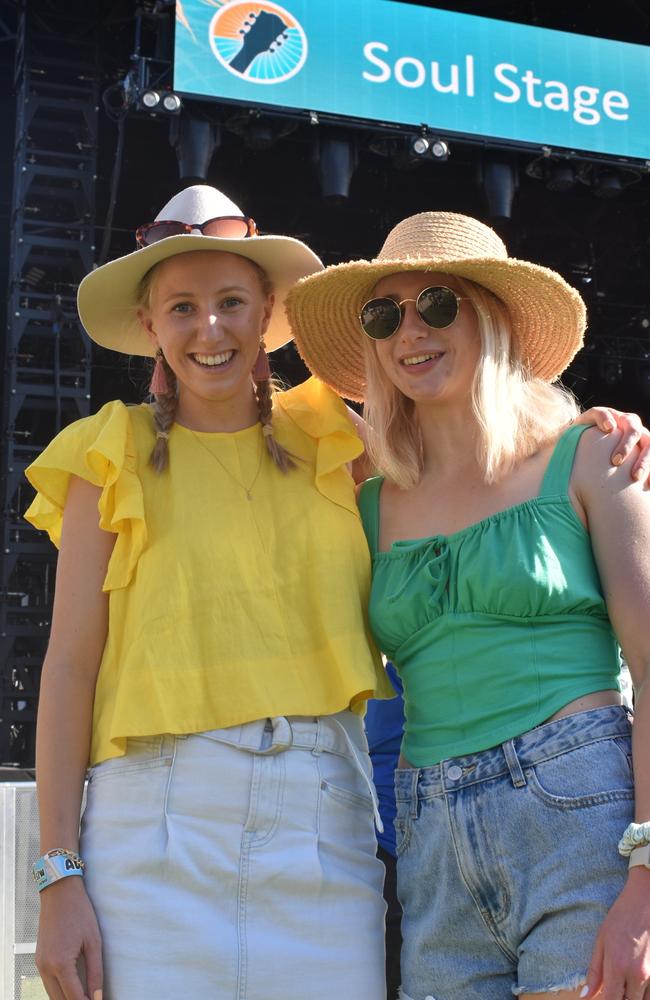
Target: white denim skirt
x,y
238,864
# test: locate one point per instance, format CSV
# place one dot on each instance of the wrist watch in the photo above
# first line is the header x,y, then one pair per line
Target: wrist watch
x,y
640,856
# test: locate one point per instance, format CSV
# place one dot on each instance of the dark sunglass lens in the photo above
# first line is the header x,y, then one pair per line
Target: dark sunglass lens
x,y
438,307
380,318
230,229
160,231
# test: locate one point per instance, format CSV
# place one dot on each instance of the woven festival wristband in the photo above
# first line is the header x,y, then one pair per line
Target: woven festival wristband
x,y
55,865
636,835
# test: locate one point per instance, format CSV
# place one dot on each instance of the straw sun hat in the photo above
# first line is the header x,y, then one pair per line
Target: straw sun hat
x,y
547,315
108,296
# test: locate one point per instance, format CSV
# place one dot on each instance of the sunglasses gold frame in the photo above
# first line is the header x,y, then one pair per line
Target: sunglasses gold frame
x,y
402,302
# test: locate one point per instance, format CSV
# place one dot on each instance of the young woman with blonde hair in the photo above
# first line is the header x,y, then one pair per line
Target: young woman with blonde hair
x,y
509,560
209,653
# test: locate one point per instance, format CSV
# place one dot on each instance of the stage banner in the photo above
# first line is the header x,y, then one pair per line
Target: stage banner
x,y
390,62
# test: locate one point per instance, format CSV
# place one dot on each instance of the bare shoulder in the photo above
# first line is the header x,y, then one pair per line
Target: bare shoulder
x,y
593,461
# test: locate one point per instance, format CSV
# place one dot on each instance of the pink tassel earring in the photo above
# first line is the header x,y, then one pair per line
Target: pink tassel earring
x,y
262,369
159,385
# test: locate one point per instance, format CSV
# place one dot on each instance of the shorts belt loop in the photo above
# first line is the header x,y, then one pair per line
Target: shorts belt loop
x,y
415,805
318,745
281,735
514,766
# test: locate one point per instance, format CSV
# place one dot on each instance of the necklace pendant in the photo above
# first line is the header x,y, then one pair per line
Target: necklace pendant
x,y
248,495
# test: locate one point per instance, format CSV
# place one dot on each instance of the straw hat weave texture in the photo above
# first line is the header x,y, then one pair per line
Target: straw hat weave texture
x,y
548,316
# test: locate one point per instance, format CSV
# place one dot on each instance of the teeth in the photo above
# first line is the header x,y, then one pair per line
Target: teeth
x,y
210,360
420,358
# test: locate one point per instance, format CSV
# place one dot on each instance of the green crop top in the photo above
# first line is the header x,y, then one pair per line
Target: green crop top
x,y
495,627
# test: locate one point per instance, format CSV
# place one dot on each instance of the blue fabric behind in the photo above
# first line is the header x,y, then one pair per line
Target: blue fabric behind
x,y
384,728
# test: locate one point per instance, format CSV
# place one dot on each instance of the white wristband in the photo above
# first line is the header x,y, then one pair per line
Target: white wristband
x,y
640,856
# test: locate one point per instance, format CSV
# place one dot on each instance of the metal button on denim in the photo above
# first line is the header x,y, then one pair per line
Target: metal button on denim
x,y
454,772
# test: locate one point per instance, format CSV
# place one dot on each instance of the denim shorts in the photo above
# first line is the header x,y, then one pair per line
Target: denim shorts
x,y
508,861
238,864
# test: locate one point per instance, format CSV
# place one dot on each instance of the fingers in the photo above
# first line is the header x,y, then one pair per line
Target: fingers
x,y
631,430
595,973
52,988
62,982
604,417
94,973
641,468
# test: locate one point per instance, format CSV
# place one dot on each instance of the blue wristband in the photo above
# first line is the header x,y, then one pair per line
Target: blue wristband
x,y
56,865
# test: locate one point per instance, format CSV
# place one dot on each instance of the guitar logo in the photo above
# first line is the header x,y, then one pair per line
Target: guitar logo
x,y
259,42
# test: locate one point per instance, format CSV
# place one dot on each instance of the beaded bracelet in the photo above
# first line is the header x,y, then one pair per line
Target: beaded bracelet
x,y
636,835
55,865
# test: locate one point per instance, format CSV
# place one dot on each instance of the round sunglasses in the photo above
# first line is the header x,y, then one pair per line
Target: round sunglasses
x,y
438,306
230,227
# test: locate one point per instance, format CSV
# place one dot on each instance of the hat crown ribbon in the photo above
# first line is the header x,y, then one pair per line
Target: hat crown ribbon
x,y
441,236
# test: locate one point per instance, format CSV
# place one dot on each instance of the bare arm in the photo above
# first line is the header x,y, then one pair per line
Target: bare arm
x,y
618,515
68,926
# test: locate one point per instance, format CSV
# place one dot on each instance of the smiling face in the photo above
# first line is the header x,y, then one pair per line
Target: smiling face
x,y
207,311
428,365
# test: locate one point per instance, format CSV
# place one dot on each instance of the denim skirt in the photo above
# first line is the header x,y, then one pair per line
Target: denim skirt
x,y
508,861
238,864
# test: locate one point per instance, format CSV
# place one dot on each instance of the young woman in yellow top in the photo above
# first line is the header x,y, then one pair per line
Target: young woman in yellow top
x,y
209,653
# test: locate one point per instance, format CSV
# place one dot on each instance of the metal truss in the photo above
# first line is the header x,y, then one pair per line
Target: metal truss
x,y
47,356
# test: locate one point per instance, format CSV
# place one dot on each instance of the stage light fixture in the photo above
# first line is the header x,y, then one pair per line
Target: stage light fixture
x,y
420,146
150,99
156,101
171,103
560,177
607,184
439,149
195,141
499,185
337,161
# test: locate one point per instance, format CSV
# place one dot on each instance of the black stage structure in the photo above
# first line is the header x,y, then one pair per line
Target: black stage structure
x,y
84,161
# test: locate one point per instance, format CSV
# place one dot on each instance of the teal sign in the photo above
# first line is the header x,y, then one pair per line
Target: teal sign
x,y
397,63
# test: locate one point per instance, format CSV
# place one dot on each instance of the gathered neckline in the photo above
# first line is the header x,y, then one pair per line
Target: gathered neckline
x,y
405,546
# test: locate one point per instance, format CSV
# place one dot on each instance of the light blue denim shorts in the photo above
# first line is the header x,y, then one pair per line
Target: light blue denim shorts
x,y
508,860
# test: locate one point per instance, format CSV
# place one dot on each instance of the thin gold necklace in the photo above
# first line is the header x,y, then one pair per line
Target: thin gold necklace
x,y
248,490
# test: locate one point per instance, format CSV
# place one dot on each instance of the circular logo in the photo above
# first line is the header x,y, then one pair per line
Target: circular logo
x,y
259,42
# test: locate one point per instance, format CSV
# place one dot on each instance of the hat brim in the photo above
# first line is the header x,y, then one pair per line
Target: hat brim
x,y
108,297
548,316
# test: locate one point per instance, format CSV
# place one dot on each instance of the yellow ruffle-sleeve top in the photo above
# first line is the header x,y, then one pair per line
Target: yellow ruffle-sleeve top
x,y
222,609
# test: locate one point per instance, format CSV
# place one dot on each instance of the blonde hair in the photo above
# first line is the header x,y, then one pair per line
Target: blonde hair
x,y
165,404
516,413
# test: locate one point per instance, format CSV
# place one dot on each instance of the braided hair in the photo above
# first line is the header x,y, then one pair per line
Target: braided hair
x,y
164,411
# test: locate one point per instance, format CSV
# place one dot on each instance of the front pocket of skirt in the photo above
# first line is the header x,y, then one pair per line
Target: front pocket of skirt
x,y
347,796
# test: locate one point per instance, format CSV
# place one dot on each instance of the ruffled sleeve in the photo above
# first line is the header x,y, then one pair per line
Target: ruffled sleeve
x,y
99,449
320,413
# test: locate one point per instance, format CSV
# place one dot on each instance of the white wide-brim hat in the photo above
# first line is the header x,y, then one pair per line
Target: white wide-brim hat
x,y
108,297
547,315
